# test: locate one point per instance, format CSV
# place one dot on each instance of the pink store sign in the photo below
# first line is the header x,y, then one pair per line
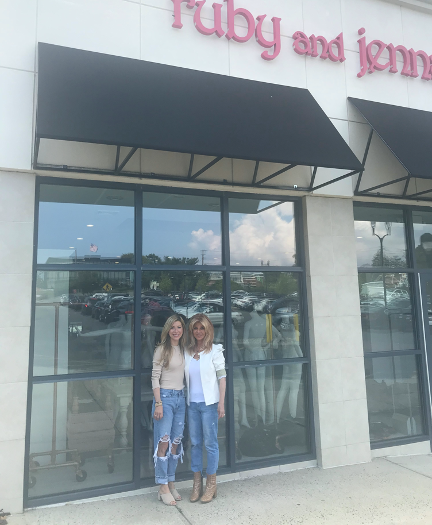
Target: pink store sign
x,y
374,56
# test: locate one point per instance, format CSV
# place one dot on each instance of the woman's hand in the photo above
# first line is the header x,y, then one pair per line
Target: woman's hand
x,y
158,413
221,410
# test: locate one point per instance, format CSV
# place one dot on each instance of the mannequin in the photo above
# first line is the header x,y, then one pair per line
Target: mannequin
x,y
260,378
240,417
292,373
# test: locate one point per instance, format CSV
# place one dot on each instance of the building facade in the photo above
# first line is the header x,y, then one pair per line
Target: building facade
x,y
265,163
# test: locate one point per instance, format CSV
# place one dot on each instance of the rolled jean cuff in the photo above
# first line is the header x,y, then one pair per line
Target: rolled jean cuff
x,y
161,481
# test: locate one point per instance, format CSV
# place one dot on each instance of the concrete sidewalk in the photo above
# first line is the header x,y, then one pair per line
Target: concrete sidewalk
x,y
395,490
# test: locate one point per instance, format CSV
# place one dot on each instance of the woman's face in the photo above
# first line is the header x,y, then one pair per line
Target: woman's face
x,y
176,331
199,331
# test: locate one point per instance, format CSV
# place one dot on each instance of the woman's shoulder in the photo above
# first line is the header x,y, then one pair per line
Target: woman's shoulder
x,y
217,348
158,350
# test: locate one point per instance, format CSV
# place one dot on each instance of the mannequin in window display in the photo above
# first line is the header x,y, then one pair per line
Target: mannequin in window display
x,y
260,378
292,373
423,251
240,417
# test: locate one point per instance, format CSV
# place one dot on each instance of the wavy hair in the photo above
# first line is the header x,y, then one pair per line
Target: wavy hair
x,y
209,331
166,340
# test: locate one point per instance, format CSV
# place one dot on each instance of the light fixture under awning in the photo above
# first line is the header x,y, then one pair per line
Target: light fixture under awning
x,y
86,97
407,133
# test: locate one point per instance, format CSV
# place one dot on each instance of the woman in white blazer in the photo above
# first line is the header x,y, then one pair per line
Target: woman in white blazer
x,y
206,383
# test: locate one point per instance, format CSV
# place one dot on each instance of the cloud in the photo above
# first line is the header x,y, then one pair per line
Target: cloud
x,y
267,236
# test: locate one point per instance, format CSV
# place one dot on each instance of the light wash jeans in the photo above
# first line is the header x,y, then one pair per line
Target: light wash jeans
x,y
169,430
203,426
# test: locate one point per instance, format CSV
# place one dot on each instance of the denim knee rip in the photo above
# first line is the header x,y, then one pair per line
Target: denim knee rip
x,y
163,439
178,441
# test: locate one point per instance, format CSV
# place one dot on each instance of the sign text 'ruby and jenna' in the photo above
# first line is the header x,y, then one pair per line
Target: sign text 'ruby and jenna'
x,y
374,56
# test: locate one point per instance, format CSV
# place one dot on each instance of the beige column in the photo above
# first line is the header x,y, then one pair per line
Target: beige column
x,y
17,193
341,419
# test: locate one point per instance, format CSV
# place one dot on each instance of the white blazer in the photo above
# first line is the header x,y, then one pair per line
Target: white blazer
x,y
212,368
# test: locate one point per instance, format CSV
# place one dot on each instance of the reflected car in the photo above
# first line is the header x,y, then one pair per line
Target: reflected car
x,y
87,307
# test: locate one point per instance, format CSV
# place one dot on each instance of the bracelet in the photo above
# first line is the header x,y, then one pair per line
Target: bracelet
x,y
158,403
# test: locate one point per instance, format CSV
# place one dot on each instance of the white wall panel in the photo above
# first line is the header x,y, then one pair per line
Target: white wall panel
x,y
18,34
16,118
381,20
105,26
186,47
288,69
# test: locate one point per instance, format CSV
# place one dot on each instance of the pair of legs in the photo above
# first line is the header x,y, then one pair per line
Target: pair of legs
x,y
203,429
168,435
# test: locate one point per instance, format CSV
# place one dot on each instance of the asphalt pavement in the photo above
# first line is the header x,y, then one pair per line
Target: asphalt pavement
x,y
395,490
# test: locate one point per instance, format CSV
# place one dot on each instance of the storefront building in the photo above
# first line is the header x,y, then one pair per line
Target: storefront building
x,y
266,163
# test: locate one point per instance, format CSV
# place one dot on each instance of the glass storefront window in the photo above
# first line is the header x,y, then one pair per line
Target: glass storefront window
x,y
386,312
380,237
266,316
83,322
422,222
186,293
85,225
270,413
80,436
393,397
262,233
181,229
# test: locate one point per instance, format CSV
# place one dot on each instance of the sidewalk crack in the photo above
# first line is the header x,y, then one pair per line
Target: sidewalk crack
x,y
407,468
183,516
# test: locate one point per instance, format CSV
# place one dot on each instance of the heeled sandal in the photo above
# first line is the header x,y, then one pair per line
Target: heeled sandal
x,y
174,492
167,499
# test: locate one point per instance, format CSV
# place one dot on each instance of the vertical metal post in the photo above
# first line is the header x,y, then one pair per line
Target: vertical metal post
x,y
31,346
230,437
137,340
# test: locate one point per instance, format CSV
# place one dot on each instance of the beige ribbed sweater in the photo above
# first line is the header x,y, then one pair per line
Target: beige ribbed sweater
x,y
171,377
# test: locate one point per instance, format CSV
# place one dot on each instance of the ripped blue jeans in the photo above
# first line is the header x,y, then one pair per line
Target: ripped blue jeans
x,y
203,427
169,430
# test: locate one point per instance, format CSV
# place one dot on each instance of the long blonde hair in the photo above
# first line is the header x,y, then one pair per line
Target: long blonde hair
x,y
209,331
165,343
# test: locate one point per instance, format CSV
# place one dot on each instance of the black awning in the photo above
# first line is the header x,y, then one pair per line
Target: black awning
x,y
103,99
406,132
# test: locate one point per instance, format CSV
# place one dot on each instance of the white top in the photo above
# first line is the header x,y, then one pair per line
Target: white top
x,y
212,368
196,394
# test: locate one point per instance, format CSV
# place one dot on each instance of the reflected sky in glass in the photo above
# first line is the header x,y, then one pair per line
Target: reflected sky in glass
x,y
181,226
84,225
262,232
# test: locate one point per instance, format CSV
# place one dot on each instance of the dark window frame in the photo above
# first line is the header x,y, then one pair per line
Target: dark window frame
x,y
137,371
424,366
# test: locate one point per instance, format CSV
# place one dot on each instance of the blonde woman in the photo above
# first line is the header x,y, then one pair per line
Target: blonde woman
x,y
169,407
206,384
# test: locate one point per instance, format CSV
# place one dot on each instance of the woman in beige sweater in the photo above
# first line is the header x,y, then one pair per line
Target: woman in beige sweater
x,y
169,407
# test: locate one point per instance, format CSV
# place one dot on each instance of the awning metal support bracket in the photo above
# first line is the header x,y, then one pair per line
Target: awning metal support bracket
x,y
406,186
314,173
126,160
208,166
335,180
283,170
418,193
255,175
117,158
389,183
365,156
191,163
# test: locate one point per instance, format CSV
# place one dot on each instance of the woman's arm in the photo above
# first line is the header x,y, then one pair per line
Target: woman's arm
x,y
222,388
156,374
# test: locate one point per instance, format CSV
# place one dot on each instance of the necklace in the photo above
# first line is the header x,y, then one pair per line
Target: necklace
x,y
197,354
